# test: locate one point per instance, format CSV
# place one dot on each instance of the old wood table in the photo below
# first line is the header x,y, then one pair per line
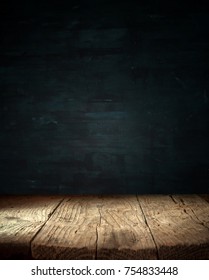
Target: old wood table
x,y
104,227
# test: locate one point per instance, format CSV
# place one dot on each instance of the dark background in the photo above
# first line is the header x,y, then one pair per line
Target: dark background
x,y
101,97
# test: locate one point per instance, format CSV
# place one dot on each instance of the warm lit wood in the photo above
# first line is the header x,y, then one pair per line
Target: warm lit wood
x,y
123,233
104,227
71,232
21,217
179,224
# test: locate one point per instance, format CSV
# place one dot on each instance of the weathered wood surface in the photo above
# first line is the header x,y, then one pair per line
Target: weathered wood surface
x,y
71,232
205,196
123,233
95,227
20,220
105,227
179,224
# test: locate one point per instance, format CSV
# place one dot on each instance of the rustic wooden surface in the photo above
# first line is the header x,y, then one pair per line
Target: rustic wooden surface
x,y
179,224
104,227
21,218
122,232
70,232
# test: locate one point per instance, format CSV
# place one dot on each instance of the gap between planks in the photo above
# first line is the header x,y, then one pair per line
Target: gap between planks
x,y
113,232
95,227
114,227
179,224
21,217
49,215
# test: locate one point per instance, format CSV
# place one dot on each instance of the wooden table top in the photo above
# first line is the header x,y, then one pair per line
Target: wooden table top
x,y
104,227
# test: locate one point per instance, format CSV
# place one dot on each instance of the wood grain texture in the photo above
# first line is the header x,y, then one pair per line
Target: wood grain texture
x,y
179,225
95,227
196,207
71,232
104,227
21,217
122,232
205,196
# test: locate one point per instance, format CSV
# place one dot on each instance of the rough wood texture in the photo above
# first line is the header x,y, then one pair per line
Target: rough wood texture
x,y
205,196
179,225
123,233
105,227
71,232
20,220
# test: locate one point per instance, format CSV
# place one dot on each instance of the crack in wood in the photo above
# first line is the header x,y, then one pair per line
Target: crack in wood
x,y
138,227
172,199
202,223
36,234
146,222
196,220
97,233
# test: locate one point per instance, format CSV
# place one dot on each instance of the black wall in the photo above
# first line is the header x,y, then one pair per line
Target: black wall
x,y
104,97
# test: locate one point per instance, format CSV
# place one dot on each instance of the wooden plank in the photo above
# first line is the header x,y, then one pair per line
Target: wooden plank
x,y
71,232
95,227
104,227
123,233
176,228
196,207
21,217
205,196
